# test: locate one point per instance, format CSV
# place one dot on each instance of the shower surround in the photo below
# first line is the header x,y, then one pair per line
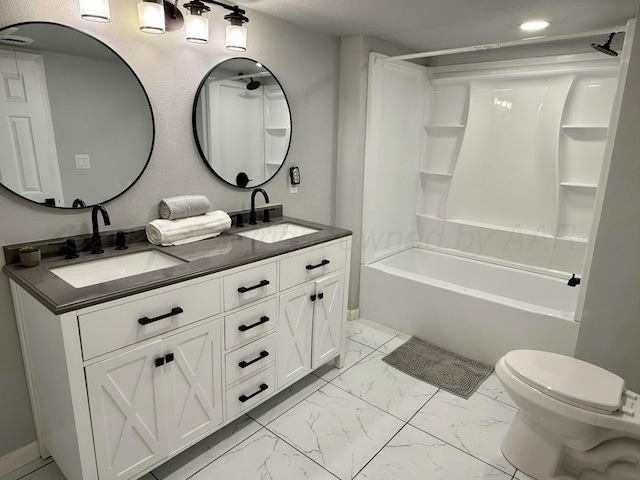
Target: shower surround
x,y
496,162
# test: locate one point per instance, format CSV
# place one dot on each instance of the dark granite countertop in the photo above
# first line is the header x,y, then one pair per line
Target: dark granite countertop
x,y
226,251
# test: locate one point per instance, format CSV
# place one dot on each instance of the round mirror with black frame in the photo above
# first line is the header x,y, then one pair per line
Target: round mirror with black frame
x,y
242,122
76,125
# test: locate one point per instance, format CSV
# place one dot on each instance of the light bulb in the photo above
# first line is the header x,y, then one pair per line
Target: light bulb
x,y
197,28
95,10
236,38
151,17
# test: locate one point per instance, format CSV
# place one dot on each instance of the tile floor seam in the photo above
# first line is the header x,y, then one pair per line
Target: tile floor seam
x,y
464,451
343,370
49,461
379,408
275,418
378,452
495,399
301,452
226,451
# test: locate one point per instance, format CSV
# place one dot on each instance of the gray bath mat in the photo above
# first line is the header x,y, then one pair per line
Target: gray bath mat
x,y
437,366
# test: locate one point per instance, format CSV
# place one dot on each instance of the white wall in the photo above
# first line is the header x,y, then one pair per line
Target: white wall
x,y
610,328
305,62
354,64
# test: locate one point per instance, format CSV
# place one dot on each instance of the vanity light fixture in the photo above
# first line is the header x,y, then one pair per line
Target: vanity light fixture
x,y
160,16
95,10
534,25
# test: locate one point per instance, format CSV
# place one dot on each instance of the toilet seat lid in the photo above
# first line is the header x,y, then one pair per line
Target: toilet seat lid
x,y
568,379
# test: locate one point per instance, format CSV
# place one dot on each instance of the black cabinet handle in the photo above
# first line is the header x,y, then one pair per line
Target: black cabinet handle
x,y
263,283
168,358
321,264
313,298
244,398
263,354
147,320
244,328
321,296
159,362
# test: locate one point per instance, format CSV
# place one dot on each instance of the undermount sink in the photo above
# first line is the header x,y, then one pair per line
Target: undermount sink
x,y
277,233
107,269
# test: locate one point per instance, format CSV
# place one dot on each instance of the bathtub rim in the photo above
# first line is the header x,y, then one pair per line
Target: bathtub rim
x,y
547,272
569,316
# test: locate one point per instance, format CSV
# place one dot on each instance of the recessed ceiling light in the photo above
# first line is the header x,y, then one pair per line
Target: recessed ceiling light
x,y
534,25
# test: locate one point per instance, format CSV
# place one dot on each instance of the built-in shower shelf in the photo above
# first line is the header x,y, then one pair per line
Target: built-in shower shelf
x,y
430,217
589,186
585,127
443,127
436,174
572,239
277,130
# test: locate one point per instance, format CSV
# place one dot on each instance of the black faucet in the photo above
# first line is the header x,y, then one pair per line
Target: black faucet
x,y
573,281
96,242
252,213
78,203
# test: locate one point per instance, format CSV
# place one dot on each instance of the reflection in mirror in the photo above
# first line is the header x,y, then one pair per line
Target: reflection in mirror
x,y
242,122
76,126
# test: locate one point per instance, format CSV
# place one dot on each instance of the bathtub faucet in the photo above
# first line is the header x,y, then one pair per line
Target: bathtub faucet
x,y
573,281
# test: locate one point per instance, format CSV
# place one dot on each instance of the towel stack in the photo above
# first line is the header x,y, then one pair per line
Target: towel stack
x,y
186,219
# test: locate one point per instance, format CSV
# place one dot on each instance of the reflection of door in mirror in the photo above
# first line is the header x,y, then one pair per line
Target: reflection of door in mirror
x,y
30,167
235,137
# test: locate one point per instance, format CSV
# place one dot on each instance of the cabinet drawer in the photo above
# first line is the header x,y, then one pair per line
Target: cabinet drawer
x,y
250,358
114,327
312,264
248,324
249,285
251,392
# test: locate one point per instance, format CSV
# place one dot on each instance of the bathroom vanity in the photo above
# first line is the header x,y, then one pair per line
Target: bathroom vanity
x,y
127,373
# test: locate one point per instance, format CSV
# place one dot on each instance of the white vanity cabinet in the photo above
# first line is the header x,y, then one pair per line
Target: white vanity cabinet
x,y
119,387
151,401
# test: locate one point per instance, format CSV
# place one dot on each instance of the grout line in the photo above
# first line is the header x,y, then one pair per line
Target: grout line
x,y
227,451
301,452
48,460
464,451
292,406
378,452
495,399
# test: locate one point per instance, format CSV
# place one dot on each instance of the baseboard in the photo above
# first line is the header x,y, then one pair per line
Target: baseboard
x,y
19,458
353,314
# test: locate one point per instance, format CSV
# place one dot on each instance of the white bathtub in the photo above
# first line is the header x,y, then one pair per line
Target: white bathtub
x,y
473,308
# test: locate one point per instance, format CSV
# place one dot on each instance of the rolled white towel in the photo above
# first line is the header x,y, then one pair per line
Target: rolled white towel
x,y
187,230
183,206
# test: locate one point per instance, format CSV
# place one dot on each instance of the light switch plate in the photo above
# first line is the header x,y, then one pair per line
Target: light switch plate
x,y
83,161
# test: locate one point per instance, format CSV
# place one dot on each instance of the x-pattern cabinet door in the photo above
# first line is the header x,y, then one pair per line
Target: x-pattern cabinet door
x,y
127,402
193,383
327,318
294,334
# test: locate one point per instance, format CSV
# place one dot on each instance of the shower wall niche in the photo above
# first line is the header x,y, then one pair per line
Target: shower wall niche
x,y
510,156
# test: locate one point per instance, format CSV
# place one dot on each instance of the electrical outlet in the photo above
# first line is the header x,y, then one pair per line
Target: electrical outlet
x,y
83,161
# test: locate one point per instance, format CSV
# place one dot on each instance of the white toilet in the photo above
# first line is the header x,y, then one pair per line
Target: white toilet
x,y
575,420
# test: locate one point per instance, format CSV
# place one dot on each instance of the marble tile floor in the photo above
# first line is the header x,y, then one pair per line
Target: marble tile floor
x,y
366,421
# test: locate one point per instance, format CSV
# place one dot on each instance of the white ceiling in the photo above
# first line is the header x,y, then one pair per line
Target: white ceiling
x,y
424,25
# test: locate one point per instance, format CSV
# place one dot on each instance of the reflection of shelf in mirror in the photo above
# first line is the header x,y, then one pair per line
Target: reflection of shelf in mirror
x,y
446,129
590,186
436,174
429,217
276,164
585,127
573,239
276,129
